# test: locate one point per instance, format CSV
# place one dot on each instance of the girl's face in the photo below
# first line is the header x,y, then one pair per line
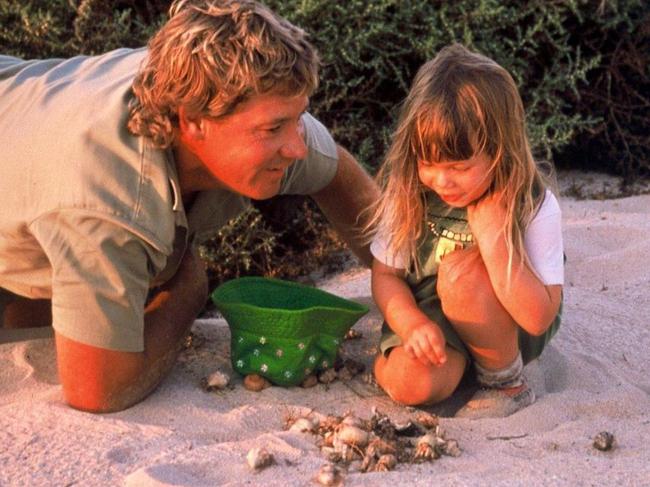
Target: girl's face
x,y
457,183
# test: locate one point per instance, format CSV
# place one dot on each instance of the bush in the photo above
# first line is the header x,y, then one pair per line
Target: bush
x,y
372,49
285,238
616,92
64,28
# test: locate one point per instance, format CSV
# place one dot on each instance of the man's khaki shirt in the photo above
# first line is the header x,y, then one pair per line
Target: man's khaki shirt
x,y
91,216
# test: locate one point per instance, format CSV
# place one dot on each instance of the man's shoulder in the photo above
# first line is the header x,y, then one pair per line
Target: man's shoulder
x,y
318,138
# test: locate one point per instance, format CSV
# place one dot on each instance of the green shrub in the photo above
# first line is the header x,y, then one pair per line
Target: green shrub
x,y
285,238
372,49
616,92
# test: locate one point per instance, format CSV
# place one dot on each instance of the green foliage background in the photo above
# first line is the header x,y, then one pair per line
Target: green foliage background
x,y
583,68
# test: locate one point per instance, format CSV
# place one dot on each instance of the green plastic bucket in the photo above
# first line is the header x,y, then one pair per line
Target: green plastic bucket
x,y
283,330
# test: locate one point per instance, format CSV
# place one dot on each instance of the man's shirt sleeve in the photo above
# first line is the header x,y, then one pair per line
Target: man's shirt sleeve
x,y
100,278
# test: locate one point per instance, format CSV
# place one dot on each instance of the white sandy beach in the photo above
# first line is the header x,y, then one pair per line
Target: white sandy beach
x,y
594,376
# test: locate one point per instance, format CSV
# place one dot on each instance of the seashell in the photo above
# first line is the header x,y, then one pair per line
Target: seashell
x,y
427,420
259,458
345,374
604,441
369,379
380,447
408,429
327,439
353,366
385,463
256,383
351,420
310,381
369,461
350,453
353,334
303,425
329,475
329,424
352,435
383,427
427,447
451,448
327,376
216,381
331,454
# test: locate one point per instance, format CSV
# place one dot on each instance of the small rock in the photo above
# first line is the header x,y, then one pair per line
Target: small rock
x,y
327,376
345,374
303,425
451,448
310,381
604,441
256,383
385,463
216,381
353,334
428,420
259,458
352,435
329,475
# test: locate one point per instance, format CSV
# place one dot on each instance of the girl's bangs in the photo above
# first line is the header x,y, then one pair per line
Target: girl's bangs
x,y
445,137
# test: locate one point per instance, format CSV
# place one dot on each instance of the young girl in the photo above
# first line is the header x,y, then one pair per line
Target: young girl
x,y
468,249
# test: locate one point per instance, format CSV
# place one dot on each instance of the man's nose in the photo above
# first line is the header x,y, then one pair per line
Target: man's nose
x,y
294,147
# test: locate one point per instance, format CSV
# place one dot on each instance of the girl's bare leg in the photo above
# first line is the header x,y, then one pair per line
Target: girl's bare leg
x,y
408,381
488,331
470,304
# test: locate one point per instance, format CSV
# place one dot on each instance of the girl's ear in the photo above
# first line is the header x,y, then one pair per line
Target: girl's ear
x,y
190,126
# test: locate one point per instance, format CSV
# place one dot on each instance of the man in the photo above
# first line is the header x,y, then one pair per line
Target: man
x,y
110,181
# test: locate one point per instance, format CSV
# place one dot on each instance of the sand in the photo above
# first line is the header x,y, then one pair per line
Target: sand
x,y
594,376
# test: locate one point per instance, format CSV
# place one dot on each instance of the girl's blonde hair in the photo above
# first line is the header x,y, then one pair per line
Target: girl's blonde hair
x,y
461,103
212,55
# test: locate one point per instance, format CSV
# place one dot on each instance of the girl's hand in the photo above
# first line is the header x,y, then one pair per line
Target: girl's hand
x,y
426,343
487,217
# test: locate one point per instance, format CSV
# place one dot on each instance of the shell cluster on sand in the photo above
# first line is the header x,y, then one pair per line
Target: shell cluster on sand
x,y
378,444
343,370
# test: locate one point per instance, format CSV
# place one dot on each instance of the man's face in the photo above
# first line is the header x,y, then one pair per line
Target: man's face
x,y
248,151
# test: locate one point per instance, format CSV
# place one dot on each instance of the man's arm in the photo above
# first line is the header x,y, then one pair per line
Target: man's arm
x,y
101,380
344,200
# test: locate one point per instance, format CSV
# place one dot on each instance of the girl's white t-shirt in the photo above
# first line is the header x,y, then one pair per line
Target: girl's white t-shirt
x,y
542,241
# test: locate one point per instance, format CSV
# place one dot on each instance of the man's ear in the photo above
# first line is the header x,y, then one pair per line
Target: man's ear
x,y
190,125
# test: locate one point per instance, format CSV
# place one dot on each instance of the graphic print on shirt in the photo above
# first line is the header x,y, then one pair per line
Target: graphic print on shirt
x,y
449,237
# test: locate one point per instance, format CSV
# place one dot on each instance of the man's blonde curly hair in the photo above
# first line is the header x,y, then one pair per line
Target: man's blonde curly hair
x,y
212,55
